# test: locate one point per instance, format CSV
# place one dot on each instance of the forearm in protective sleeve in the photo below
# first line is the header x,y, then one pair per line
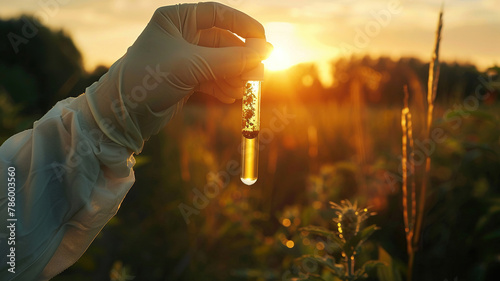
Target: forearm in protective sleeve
x,y
119,104
70,180
73,170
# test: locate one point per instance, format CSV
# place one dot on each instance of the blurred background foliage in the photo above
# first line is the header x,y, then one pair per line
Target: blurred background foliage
x,y
342,142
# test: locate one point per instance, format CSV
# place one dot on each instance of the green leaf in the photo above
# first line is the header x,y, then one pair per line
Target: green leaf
x,y
330,263
356,241
317,230
366,232
321,231
368,268
336,269
388,272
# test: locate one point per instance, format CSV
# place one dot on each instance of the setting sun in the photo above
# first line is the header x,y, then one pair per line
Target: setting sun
x,y
294,44
281,35
279,59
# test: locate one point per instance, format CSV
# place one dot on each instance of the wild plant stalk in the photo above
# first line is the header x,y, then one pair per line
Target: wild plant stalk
x,y
413,234
409,212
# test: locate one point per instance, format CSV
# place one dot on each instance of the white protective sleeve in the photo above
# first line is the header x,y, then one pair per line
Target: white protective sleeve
x,y
70,179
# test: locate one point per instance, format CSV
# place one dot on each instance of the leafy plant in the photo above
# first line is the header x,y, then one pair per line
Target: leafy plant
x,y
349,238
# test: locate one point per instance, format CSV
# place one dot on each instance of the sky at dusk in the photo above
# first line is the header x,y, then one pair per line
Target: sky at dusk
x,y
301,31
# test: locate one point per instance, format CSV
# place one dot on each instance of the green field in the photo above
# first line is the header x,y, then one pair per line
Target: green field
x,y
239,234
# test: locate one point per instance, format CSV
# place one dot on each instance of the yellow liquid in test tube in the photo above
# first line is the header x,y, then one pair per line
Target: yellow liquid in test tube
x,y
250,161
250,132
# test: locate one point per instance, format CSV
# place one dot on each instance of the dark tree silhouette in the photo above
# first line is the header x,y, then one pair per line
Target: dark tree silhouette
x,y
39,66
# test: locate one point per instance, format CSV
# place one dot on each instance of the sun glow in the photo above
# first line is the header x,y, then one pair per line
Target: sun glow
x,y
284,39
279,59
294,44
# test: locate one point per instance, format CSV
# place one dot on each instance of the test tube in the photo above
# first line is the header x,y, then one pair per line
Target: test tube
x,y
250,126
250,132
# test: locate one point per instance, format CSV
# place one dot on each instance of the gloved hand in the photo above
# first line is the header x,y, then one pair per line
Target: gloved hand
x,y
184,48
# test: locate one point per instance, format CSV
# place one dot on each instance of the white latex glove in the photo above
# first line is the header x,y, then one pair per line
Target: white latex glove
x,y
184,48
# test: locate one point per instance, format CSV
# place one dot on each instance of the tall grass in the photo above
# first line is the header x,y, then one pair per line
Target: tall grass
x,y
409,211
413,216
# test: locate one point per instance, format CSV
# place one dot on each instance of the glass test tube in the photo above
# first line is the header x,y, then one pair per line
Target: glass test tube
x,y
250,126
250,132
